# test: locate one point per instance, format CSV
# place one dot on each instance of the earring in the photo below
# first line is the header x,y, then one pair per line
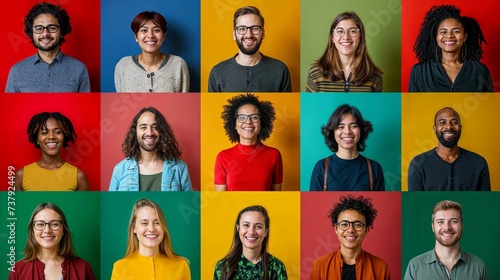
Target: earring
x,y
437,53
463,52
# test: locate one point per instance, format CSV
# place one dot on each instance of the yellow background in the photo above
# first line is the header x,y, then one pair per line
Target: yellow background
x,y
478,135
282,34
285,136
219,211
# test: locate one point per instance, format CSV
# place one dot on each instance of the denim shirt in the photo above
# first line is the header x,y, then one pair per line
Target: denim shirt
x,y
175,176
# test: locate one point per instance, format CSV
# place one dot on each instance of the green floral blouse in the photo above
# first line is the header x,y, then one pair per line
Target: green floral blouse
x,y
247,270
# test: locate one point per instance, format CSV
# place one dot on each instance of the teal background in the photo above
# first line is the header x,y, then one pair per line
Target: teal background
x,y
480,213
82,212
382,21
182,212
383,144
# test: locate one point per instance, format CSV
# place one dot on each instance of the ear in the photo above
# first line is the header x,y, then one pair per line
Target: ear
x,y
263,33
238,228
234,34
267,232
135,37
432,227
465,37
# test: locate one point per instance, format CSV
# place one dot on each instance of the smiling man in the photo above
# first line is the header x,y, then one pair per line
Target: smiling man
x,y
448,167
446,260
352,219
153,157
249,70
49,70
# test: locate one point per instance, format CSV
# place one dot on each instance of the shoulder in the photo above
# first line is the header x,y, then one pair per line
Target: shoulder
x,y
175,163
69,59
374,164
126,162
421,259
472,260
228,63
78,262
422,156
376,260
125,61
275,261
273,62
177,59
472,155
325,259
478,65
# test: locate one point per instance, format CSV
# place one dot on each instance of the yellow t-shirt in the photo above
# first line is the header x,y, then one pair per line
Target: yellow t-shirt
x,y
157,267
36,178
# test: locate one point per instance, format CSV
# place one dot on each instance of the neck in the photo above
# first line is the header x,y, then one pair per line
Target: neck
x,y
248,142
447,254
347,62
151,61
448,154
148,157
49,255
450,58
248,59
148,252
49,162
349,256
253,255
48,56
347,154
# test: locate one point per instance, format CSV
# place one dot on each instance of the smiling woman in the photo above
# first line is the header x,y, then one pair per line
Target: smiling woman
x,y
50,132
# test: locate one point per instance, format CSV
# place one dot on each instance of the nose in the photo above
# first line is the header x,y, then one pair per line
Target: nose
x,y
148,130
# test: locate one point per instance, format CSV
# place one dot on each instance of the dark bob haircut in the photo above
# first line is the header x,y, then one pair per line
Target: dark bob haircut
x,y
38,122
47,8
230,110
363,206
155,17
328,130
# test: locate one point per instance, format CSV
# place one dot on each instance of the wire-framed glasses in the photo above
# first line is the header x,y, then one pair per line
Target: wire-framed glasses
x,y
340,32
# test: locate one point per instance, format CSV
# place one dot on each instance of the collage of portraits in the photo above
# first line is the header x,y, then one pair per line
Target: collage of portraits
x,y
162,139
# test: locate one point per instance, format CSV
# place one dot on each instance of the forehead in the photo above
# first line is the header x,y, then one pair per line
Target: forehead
x,y
47,215
347,117
450,23
146,117
45,19
149,23
248,20
346,23
447,114
351,215
248,108
447,214
146,212
253,217
51,123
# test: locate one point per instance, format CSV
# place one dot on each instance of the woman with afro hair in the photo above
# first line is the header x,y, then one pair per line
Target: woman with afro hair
x,y
250,165
448,48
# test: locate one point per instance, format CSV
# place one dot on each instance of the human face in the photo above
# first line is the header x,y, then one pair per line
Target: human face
x,y
448,128
252,230
46,41
51,137
48,238
148,230
147,132
350,238
347,133
150,37
249,130
450,36
248,43
447,227
347,44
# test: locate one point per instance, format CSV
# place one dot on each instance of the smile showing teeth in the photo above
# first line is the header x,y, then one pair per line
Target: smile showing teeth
x,y
151,236
350,238
48,238
51,145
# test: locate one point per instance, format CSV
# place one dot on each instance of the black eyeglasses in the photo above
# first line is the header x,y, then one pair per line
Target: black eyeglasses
x,y
357,225
52,28
242,29
53,225
243,117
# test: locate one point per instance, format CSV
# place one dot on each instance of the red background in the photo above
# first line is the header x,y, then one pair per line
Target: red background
x,y
83,43
81,109
318,237
485,12
182,112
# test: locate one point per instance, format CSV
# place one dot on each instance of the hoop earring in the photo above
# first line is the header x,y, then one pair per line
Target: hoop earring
x,y
463,52
437,53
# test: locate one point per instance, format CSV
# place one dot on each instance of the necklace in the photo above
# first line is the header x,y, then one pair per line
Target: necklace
x,y
251,153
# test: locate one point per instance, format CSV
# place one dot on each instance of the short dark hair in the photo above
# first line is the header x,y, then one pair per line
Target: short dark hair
x,y
47,8
155,17
362,205
168,148
328,130
445,108
248,10
39,121
230,110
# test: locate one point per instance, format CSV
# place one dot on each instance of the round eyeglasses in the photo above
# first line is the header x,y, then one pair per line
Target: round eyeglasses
x,y
340,32
243,117
344,225
242,29
53,225
52,28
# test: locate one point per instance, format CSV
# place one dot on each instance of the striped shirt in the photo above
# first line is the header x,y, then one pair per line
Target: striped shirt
x,y
316,82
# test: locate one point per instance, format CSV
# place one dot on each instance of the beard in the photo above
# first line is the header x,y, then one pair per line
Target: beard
x,y
448,143
55,43
248,51
448,243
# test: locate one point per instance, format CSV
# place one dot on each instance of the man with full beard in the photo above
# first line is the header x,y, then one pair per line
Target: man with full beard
x,y
153,157
249,70
448,167
446,260
49,70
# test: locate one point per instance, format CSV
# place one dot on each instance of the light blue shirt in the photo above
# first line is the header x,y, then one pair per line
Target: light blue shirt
x,y
175,176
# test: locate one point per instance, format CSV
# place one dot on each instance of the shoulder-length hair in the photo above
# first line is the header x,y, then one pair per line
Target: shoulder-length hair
x,y
167,149
426,46
32,248
230,261
153,16
266,112
328,130
330,65
132,241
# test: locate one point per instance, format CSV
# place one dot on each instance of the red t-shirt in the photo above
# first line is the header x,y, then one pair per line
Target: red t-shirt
x,y
249,168
73,269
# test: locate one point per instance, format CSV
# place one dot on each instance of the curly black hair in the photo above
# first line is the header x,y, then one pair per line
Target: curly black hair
x,y
167,149
47,8
230,110
328,130
426,46
39,121
362,205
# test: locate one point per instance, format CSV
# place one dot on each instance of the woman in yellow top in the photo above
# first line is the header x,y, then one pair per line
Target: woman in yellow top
x,y
50,132
149,252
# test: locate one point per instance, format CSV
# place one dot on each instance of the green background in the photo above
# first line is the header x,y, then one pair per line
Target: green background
x,y
182,212
383,144
82,212
382,21
480,212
